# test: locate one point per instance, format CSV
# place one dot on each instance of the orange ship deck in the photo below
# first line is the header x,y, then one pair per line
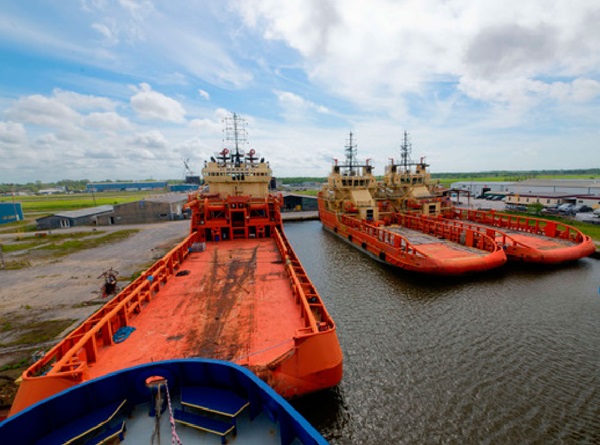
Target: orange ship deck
x,y
528,239
435,247
207,311
243,300
431,247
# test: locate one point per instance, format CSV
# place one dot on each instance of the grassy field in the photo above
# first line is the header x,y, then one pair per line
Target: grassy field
x,y
446,181
55,245
591,230
57,203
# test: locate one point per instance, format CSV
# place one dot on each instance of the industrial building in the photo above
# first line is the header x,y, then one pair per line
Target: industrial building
x,y
184,188
476,189
552,200
10,212
557,186
166,207
549,192
125,186
293,202
73,218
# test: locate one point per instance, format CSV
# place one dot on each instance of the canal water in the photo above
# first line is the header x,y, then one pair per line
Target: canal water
x,y
509,357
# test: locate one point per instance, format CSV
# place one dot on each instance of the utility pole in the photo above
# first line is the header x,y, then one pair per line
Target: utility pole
x,y
12,192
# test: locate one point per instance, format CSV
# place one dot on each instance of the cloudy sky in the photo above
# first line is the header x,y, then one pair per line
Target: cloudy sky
x,y
129,89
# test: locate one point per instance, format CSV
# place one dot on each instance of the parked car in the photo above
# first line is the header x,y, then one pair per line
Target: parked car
x,y
565,209
516,207
581,208
550,210
596,213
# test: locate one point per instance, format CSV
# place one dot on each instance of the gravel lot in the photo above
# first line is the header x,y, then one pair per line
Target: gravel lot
x,y
68,287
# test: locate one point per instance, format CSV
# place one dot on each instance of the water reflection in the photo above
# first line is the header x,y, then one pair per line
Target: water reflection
x,y
509,356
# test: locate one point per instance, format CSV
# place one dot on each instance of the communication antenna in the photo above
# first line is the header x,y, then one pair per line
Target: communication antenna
x,y
236,135
405,150
350,153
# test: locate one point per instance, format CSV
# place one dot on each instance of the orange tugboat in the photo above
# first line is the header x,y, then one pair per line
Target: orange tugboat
x,y
232,290
523,238
365,213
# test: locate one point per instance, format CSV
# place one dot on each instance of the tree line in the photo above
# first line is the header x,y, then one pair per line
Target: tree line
x,y
79,185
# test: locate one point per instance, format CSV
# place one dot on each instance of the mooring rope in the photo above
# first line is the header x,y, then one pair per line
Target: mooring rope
x,y
175,440
157,407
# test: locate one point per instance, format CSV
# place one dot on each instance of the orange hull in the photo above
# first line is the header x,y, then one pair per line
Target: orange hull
x,y
526,239
440,249
244,300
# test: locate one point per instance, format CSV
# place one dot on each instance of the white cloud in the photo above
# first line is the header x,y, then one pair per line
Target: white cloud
x,y
296,107
583,90
110,36
152,105
12,133
152,140
373,53
110,121
206,126
83,102
40,110
128,20
446,70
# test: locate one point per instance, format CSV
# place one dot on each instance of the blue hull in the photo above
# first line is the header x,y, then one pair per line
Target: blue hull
x,y
123,404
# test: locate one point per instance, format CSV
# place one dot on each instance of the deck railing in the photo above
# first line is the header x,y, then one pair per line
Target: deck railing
x,y
537,226
313,310
502,238
382,235
71,356
460,234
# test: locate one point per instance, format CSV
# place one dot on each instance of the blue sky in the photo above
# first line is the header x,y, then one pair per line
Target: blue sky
x,y
124,89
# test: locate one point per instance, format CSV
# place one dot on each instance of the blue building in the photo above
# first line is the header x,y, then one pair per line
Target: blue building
x,y
10,212
183,188
125,186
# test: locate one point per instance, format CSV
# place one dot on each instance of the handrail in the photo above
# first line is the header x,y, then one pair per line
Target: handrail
x,y
490,231
289,258
460,234
139,289
540,226
382,235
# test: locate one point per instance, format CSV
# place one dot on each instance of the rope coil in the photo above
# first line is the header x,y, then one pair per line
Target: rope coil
x,y
122,334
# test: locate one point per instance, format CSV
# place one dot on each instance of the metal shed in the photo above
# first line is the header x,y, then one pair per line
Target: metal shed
x,y
166,207
73,218
10,212
296,202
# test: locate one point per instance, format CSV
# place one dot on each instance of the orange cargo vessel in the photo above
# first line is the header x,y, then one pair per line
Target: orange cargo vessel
x,y
232,290
364,212
523,238
526,239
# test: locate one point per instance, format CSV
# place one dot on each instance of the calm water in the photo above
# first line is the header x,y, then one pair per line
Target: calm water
x,y
511,357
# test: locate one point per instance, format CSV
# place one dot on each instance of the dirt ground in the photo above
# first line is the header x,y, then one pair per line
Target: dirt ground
x,y
68,288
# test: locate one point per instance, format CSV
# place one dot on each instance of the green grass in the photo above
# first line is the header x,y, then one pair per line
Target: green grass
x,y
30,242
62,244
591,230
73,245
33,332
306,192
57,203
16,364
446,181
16,264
